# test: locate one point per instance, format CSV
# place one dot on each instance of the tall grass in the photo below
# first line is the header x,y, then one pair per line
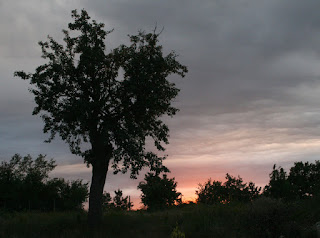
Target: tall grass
x,y
262,218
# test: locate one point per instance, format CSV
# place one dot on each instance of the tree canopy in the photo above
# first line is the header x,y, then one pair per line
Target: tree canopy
x,y
157,192
24,185
117,203
80,95
103,115
232,190
303,181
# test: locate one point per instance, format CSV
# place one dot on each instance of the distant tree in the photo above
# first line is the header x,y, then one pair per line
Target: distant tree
x,y
213,192
67,195
240,191
22,181
80,97
305,179
157,192
253,191
279,186
106,201
302,182
301,179
24,185
118,202
10,184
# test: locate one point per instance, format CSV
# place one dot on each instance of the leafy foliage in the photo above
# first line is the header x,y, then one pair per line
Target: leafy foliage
x,y
117,203
24,185
81,97
279,186
213,192
157,192
302,182
67,195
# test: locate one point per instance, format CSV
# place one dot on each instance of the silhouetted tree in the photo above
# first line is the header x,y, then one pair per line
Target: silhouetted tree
x,y
80,96
106,201
303,181
211,192
240,191
22,181
24,185
118,202
157,192
232,190
279,186
67,195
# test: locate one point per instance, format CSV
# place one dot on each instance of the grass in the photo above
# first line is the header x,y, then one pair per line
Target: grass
x,y
263,218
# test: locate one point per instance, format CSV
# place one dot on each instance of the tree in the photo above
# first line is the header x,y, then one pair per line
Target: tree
x,y
213,192
81,97
302,181
67,195
157,192
240,191
22,181
305,179
279,186
118,202
24,185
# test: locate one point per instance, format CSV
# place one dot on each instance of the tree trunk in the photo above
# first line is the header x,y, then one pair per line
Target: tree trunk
x,y
99,173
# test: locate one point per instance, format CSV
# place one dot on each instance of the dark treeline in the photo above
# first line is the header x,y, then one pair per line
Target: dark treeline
x,y
25,185
234,189
287,206
302,182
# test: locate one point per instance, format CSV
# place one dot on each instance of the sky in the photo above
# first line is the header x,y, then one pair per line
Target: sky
x,y
250,99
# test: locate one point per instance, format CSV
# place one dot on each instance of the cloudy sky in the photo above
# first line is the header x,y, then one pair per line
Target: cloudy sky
x,y
251,97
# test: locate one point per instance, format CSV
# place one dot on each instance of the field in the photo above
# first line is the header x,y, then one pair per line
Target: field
x,y
262,218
